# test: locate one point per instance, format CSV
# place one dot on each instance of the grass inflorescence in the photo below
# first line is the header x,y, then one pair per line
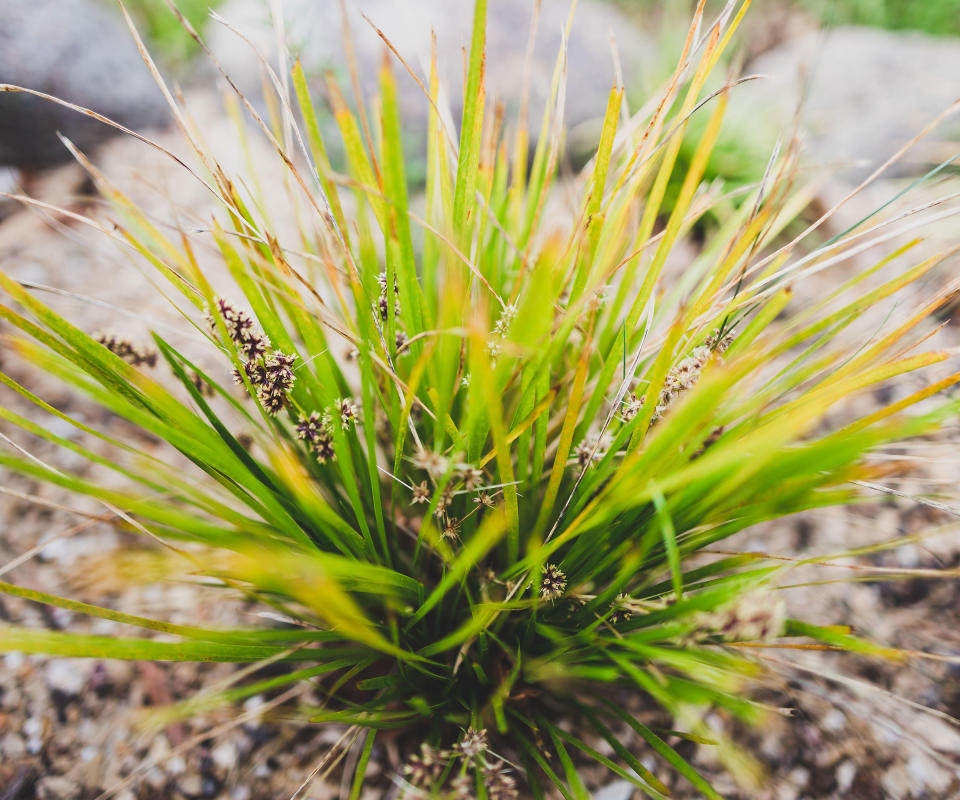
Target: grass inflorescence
x,y
473,453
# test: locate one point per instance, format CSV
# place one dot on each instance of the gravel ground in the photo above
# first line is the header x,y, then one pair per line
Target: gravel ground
x,y
72,729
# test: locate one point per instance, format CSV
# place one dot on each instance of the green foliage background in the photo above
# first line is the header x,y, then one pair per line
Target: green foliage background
x,y
941,17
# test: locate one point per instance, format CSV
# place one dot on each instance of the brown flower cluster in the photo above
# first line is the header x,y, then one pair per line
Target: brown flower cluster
x,y
273,379
587,452
383,302
498,781
251,343
756,616
553,582
681,378
137,355
425,769
271,375
316,432
422,769
383,309
500,330
346,409
620,610
465,478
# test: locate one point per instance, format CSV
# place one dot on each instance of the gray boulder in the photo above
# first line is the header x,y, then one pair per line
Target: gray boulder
x,y
867,92
313,30
78,51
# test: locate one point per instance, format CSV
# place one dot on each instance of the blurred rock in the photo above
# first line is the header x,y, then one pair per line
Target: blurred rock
x,y
77,51
67,675
619,790
55,787
12,746
866,93
314,34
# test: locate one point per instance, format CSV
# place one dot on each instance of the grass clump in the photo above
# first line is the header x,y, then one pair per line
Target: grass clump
x,y
474,455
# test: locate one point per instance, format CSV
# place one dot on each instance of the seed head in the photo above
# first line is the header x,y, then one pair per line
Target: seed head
x,y
421,494
347,410
200,384
280,362
620,610
424,768
505,320
682,377
473,743
711,440
382,283
136,355
499,783
630,407
472,477
255,371
416,410
755,616
484,499
274,380
432,463
272,400
382,302
315,431
241,329
444,502
587,452
716,344
251,345
462,787
323,450
553,583
309,428
452,529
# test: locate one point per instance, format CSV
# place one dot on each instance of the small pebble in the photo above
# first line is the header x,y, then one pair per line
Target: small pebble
x,y
619,790
834,720
12,746
175,765
32,727
918,767
155,778
845,774
55,787
908,555
190,785
66,675
252,703
224,755
13,661
799,777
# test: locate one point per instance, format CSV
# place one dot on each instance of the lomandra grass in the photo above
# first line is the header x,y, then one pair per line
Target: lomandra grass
x,y
473,451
